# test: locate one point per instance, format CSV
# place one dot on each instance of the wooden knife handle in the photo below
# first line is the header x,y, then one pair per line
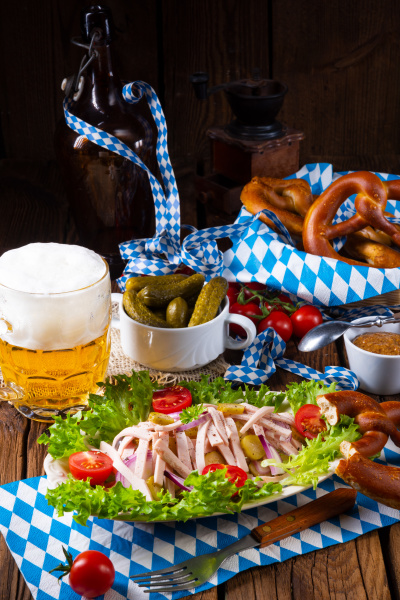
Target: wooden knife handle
x,y
328,506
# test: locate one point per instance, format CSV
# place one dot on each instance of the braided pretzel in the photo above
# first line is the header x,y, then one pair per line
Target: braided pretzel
x,y
370,204
376,422
289,199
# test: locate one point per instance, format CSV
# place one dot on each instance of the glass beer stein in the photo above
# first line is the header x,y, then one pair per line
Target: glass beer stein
x,y
55,312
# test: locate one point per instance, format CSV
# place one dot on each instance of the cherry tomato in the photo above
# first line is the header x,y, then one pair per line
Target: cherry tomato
x,y
235,474
280,322
172,399
308,421
249,310
305,318
253,286
232,294
91,463
92,574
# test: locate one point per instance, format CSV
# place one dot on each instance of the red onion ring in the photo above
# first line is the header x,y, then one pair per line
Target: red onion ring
x,y
179,481
203,417
271,452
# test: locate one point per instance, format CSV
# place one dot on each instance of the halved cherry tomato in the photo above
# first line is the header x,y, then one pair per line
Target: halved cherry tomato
x,y
90,463
308,421
305,318
172,399
235,474
280,322
250,310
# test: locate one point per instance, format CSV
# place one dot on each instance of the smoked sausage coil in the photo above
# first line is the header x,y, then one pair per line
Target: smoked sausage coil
x,y
376,422
377,481
371,418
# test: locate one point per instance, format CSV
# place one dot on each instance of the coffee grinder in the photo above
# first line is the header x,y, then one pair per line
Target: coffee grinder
x,y
253,143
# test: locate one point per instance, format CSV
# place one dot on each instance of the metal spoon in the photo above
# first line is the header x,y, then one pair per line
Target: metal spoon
x,y
328,332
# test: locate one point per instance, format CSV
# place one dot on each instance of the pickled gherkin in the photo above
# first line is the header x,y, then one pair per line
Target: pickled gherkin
x,y
139,312
209,301
177,314
158,296
138,283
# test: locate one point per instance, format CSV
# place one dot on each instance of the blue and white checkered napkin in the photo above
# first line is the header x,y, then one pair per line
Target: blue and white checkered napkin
x,y
35,537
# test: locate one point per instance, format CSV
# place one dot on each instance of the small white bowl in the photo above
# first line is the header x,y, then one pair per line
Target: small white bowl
x,y
377,373
182,349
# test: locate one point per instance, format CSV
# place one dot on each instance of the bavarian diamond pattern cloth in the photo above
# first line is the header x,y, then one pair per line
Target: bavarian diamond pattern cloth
x,y
35,537
261,255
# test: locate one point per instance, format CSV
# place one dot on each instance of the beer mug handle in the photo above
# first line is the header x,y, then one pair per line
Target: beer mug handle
x,y
9,393
115,321
5,326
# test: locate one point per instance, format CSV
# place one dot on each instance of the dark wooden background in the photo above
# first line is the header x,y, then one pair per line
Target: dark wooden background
x,y
339,58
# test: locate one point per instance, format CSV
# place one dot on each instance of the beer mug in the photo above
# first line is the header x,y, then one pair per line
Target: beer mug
x,y
55,314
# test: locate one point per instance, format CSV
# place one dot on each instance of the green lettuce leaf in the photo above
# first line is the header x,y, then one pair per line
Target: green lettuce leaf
x,y
212,392
314,459
65,436
211,493
306,392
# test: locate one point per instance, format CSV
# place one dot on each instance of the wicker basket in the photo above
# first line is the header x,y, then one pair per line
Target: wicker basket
x,y
388,299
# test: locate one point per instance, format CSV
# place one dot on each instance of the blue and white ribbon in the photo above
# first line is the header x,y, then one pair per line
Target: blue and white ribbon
x,y
265,354
163,253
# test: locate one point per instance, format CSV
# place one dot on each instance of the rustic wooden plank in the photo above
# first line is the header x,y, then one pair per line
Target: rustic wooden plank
x,y
336,60
207,36
372,565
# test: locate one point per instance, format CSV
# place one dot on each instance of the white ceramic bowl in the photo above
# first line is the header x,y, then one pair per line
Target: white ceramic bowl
x,y
377,373
181,349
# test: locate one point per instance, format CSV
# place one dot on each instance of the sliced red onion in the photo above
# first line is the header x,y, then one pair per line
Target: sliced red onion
x,y
130,461
175,415
260,470
203,417
179,481
271,452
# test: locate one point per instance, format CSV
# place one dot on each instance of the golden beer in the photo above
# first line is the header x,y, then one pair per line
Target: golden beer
x,y
54,345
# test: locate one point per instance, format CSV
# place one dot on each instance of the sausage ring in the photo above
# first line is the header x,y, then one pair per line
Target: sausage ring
x,y
289,199
370,204
376,422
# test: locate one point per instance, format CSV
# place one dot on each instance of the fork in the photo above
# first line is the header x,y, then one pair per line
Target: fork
x,y
196,571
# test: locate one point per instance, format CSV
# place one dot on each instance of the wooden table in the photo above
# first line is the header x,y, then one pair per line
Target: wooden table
x,y
366,568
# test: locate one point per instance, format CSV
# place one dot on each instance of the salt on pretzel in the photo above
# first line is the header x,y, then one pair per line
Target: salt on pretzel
x,y
289,199
377,422
370,204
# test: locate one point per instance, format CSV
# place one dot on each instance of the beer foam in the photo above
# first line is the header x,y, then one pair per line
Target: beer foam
x,y
49,268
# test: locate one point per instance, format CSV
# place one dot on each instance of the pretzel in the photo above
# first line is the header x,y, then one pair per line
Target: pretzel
x,y
370,204
377,422
373,253
289,199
